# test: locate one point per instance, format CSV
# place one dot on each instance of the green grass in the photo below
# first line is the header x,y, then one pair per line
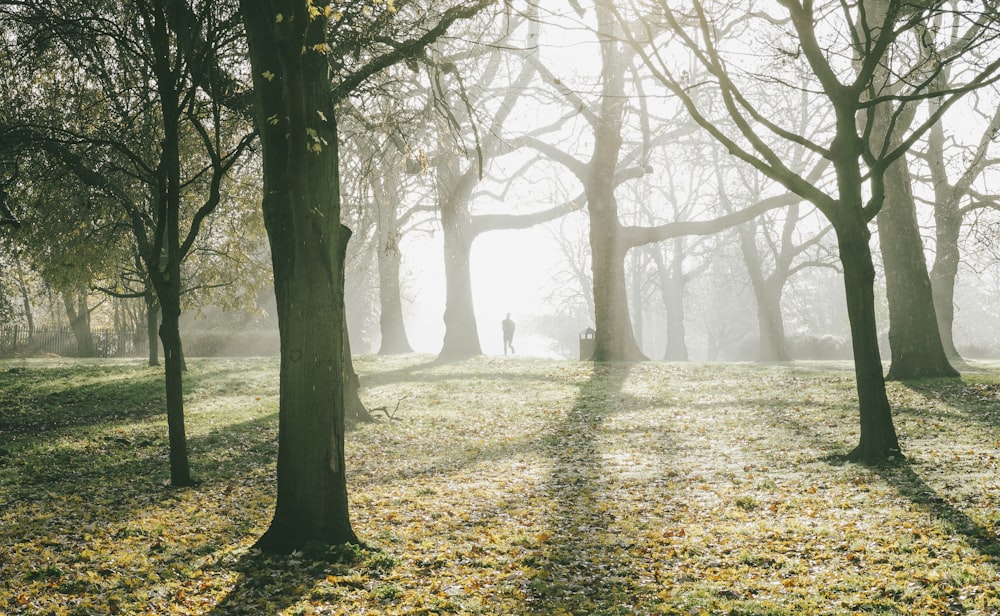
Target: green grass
x,y
505,486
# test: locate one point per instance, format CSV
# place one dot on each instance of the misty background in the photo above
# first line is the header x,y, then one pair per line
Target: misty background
x,y
510,99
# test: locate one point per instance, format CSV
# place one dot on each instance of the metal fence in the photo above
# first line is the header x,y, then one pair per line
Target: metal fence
x,y
20,341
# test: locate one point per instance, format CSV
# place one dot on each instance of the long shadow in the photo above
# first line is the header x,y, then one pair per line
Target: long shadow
x,y
259,591
910,485
43,403
902,476
581,567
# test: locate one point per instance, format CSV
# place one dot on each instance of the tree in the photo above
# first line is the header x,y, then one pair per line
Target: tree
x,y
141,135
914,340
956,199
608,168
852,91
296,48
462,160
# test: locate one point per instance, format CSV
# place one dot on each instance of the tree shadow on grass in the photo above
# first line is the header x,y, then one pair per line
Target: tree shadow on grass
x,y
580,569
43,403
903,476
268,584
905,480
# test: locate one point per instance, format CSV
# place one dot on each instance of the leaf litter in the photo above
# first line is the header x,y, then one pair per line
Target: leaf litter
x,y
506,487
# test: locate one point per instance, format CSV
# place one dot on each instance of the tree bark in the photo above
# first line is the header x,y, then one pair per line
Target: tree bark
x,y
461,332
391,325
878,440
672,284
301,204
914,338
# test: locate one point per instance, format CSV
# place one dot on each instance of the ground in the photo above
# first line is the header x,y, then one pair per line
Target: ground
x,y
505,486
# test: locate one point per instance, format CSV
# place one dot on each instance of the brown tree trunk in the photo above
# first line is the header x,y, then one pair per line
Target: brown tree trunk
x,y
672,284
614,340
391,324
947,229
914,338
166,275
79,321
770,322
301,204
152,325
878,440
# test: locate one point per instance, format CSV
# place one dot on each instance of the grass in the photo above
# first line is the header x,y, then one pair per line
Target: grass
x,y
505,486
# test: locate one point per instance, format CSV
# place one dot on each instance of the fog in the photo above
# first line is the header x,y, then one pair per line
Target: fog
x,y
470,180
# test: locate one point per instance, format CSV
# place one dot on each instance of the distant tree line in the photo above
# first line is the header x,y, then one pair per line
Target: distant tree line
x,y
137,140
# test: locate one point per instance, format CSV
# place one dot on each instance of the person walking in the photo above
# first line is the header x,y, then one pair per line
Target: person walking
x,y
508,334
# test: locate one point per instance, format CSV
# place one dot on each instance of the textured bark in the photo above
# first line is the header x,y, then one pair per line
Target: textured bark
x,y
767,291
673,281
461,332
878,439
152,324
391,324
166,274
914,340
301,207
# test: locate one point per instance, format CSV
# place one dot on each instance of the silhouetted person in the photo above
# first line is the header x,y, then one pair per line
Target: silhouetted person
x,y
508,334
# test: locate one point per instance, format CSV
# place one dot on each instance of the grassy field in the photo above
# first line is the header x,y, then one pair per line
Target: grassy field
x,y
505,486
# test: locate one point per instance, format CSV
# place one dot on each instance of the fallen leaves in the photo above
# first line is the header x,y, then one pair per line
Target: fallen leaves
x,y
508,487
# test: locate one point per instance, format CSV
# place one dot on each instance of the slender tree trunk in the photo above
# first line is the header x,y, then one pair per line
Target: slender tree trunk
x,y
914,339
166,277
767,292
770,322
391,324
152,326
180,471
947,229
878,439
637,303
25,299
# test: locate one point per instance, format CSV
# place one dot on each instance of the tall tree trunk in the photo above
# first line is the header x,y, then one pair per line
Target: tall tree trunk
x,y
637,303
391,325
947,229
180,471
296,120
166,278
767,292
152,325
25,298
614,340
878,440
461,335
79,321
914,338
